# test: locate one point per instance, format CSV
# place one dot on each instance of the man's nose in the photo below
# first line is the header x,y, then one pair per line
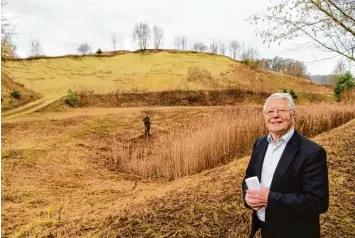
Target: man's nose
x,y
275,113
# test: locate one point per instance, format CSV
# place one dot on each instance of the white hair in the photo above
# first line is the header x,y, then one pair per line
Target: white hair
x,y
285,96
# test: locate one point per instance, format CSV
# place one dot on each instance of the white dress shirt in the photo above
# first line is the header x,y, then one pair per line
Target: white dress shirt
x,y
271,159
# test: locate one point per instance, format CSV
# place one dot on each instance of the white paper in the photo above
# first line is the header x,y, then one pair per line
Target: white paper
x,y
253,183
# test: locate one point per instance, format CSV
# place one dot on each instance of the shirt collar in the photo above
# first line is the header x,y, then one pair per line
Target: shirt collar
x,y
286,137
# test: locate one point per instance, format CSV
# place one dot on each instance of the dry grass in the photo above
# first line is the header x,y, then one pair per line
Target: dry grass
x,y
151,72
225,97
165,98
53,181
45,166
339,221
53,184
7,87
348,95
214,140
213,207
205,143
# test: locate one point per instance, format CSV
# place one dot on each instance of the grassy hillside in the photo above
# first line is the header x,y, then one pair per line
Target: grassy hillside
x,y
153,71
59,178
14,94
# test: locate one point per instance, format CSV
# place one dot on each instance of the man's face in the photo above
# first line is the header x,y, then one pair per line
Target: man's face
x,y
278,116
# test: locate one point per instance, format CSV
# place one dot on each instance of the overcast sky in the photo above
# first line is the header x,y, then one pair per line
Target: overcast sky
x,y
62,25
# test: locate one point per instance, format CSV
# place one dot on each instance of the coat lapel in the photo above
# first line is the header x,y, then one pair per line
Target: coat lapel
x,y
285,160
260,153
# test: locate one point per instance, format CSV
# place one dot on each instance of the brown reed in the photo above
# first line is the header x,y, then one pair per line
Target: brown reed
x,y
216,139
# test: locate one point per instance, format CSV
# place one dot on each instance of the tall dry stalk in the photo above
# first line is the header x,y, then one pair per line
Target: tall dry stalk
x,y
217,139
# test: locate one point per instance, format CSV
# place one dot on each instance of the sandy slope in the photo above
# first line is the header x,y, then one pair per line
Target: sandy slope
x,y
32,106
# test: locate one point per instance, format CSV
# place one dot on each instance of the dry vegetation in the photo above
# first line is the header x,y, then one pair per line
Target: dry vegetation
x,y
89,172
214,207
217,97
131,72
14,94
152,78
54,186
163,98
348,95
45,165
212,140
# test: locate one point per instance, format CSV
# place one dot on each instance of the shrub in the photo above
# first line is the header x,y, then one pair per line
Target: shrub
x,y
254,64
15,94
293,94
99,51
344,81
72,98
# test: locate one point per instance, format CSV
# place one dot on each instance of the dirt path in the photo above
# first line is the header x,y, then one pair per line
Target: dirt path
x,y
31,107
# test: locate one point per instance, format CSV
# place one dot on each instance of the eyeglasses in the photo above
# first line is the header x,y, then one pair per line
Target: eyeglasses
x,y
280,112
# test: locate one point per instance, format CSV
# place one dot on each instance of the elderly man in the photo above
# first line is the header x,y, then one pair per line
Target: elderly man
x,y
293,176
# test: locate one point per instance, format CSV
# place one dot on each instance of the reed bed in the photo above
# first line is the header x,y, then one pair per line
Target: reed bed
x,y
216,139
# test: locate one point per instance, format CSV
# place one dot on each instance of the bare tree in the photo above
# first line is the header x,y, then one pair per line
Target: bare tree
x,y
278,64
234,48
8,48
289,65
36,47
298,69
114,41
263,64
250,54
141,35
5,24
84,48
330,24
176,43
340,68
200,46
183,42
214,47
222,48
158,33
180,42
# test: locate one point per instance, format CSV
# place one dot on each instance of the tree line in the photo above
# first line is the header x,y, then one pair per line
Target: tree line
x,y
329,24
144,37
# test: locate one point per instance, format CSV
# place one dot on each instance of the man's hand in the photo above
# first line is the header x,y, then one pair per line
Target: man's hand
x,y
257,198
